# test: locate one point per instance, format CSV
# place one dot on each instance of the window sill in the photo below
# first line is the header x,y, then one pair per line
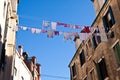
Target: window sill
x,y
118,69
83,65
89,57
74,77
84,77
107,78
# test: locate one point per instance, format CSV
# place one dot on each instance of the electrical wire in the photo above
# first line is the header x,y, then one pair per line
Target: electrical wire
x,y
54,76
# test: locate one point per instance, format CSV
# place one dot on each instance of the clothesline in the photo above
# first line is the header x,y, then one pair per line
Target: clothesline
x,y
51,33
53,24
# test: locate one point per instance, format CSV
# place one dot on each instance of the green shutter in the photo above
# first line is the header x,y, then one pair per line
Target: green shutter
x,y
111,14
98,71
118,52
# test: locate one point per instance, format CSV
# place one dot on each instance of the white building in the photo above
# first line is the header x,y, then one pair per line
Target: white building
x,y
21,71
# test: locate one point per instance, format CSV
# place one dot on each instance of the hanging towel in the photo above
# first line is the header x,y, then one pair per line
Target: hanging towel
x,y
67,36
87,29
77,27
50,34
59,24
38,31
33,30
56,32
60,32
44,31
75,34
46,24
25,28
84,36
54,24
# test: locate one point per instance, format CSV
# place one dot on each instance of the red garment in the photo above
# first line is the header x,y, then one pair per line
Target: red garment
x,y
77,27
44,31
87,29
75,34
56,32
58,23
67,25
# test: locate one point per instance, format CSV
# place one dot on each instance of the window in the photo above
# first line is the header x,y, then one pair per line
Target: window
x,y
73,70
108,20
101,69
85,78
117,52
15,71
35,78
89,43
4,9
87,49
0,41
22,78
92,75
2,61
96,39
82,57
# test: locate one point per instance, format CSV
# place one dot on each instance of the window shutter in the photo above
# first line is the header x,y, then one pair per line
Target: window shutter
x,y
98,39
104,23
118,52
94,42
111,14
98,71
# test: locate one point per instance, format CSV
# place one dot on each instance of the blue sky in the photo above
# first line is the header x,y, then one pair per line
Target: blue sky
x,y
54,54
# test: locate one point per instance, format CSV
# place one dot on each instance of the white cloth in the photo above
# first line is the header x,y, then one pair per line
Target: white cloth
x,y
83,36
46,23
33,30
67,36
38,31
54,24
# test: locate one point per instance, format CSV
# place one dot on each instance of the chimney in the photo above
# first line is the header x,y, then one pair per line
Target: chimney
x,y
34,60
20,49
38,68
25,55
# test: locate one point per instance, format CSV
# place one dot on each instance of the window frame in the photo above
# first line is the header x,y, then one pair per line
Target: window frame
x,y
108,24
96,38
82,57
15,71
102,69
92,74
73,68
117,54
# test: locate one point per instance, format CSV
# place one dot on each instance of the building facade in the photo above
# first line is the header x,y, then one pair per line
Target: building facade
x,y
13,64
21,71
25,67
32,65
8,21
98,57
